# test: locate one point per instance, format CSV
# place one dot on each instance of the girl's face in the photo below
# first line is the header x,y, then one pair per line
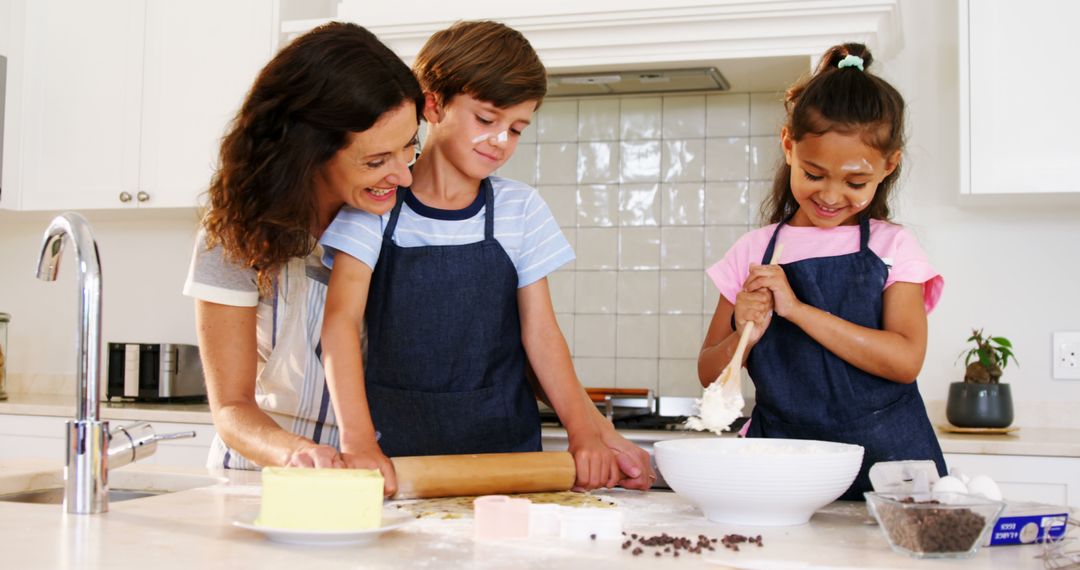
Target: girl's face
x,y
476,136
834,176
366,172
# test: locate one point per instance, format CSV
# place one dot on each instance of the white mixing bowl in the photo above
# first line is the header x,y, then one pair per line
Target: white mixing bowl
x,y
768,482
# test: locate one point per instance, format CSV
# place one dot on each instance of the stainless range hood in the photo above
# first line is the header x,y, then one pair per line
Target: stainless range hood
x,y
628,82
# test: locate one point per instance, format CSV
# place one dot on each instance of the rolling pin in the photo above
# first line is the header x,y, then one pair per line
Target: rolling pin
x,y
427,477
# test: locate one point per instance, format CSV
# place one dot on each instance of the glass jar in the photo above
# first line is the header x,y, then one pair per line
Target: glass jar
x,y
4,318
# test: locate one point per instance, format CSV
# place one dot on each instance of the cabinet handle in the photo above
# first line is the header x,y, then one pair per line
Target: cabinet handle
x,y
125,197
143,196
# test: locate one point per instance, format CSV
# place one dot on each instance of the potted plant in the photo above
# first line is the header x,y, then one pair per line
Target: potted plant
x,y
981,400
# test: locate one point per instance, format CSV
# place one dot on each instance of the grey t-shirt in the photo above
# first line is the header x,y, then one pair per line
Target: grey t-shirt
x,y
215,278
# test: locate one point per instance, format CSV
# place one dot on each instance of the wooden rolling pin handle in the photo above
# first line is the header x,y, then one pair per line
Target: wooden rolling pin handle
x,y
432,476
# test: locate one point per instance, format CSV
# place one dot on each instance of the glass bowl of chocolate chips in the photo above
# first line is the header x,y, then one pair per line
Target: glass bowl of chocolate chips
x,y
934,525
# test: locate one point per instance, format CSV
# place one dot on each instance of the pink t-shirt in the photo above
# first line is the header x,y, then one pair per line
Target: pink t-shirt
x,y
894,244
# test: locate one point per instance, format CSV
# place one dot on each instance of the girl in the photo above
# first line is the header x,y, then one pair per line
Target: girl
x,y
840,323
331,120
452,285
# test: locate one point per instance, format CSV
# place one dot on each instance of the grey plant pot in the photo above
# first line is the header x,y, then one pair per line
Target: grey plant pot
x,y
979,405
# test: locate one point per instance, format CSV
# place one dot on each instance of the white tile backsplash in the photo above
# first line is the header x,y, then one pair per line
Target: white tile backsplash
x,y
766,113
557,121
649,191
639,204
638,336
727,115
683,204
598,120
598,205
598,162
640,161
683,160
595,292
684,117
640,118
639,248
556,163
594,335
597,248
680,292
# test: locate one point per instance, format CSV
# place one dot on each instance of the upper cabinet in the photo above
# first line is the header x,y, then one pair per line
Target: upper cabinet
x,y
123,104
1018,116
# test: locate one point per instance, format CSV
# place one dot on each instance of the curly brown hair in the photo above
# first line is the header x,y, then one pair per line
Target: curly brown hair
x,y
845,100
332,81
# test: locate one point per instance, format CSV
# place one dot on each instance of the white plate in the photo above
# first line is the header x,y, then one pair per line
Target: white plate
x,y
390,521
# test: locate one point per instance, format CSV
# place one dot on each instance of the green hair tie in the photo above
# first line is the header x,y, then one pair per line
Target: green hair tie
x,y
851,61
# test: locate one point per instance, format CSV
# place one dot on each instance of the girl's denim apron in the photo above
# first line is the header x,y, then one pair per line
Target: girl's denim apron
x,y
804,391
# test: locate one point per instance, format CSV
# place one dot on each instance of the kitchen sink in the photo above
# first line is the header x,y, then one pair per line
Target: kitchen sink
x,y
55,496
126,484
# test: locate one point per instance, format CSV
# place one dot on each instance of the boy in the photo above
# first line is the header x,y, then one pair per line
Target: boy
x,y
452,285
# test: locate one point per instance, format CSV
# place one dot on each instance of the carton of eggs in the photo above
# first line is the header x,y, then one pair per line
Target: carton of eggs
x,y
977,485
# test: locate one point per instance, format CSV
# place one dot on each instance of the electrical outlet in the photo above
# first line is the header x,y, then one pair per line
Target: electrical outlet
x,y
1067,355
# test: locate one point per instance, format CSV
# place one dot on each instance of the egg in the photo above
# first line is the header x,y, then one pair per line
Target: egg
x,y
985,486
950,484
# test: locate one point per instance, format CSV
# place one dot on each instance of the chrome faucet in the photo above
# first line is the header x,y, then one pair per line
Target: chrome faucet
x,y
90,447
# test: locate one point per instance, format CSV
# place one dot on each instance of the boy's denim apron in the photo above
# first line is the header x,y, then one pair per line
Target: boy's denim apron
x,y
804,391
445,371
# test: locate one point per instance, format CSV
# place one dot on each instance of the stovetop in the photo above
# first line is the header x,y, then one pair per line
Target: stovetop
x,y
650,421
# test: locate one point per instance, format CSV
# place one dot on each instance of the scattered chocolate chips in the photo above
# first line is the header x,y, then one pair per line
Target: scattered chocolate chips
x,y
665,543
931,529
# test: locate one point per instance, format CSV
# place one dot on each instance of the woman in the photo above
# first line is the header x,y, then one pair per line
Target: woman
x,y
331,120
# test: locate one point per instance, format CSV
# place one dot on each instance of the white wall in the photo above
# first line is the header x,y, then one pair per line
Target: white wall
x,y
144,259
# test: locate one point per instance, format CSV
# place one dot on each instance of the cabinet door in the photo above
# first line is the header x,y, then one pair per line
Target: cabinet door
x,y
82,88
1018,117
201,58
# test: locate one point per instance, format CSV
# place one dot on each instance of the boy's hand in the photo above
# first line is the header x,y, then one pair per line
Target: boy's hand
x,y
771,278
372,457
633,462
315,455
595,463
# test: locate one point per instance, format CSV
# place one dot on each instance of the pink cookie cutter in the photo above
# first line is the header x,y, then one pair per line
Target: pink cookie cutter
x,y
499,517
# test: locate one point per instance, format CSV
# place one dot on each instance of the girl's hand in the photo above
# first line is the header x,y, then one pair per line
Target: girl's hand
x,y
372,457
633,462
595,463
315,455
754,306
773,279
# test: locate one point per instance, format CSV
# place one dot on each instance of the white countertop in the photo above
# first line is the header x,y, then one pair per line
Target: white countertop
x,y
1049,442
192,529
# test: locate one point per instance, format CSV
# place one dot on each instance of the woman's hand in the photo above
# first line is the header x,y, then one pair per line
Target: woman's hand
x,y
756,306
372,457
771,278
314,455
633,462
595,463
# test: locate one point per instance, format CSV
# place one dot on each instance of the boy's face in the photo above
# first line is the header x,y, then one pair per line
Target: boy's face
x,y
476,136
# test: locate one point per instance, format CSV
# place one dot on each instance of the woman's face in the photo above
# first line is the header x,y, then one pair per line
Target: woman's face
x,y
366,172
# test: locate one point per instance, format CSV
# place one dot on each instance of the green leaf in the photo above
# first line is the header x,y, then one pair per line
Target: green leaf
x,y
1002,341
984,360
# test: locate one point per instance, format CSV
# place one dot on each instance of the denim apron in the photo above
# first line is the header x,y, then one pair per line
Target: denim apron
x,y
445,371
804,391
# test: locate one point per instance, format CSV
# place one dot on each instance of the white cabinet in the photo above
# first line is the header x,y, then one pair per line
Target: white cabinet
x,y
42,437
1018,117
1052,480
123,104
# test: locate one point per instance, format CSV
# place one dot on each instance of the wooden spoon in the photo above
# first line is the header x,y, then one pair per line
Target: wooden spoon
x,y
733,367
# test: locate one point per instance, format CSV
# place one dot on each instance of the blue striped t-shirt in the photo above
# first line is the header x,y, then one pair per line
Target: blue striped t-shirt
x,y
524,227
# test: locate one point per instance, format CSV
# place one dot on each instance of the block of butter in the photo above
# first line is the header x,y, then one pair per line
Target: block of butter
x,y
321,499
